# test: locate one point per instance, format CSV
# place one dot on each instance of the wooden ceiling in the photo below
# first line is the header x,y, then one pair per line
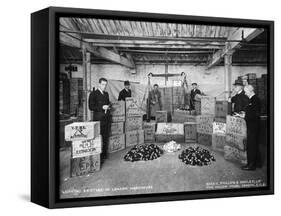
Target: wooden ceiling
x,y
154,42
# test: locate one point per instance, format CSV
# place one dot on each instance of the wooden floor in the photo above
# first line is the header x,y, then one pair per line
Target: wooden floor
x,y
165,174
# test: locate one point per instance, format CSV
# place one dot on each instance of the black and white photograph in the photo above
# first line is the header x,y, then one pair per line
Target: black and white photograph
x,y
151,107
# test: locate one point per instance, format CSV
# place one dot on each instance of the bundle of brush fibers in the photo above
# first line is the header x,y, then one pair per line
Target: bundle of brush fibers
x,y
143,152
196,156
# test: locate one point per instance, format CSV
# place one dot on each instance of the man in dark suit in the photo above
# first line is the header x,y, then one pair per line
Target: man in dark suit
x,y
252,118
239,99
126,92
193,92
99,103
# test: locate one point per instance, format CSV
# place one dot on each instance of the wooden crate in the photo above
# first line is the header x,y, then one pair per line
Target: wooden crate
x,y
205,124
190,131
222,109
218,142
169,131
132,107
236,126
235,155
181,116
161,116
133,123
219,127
116,128
84,148
149,131
116,143
82,130
204,139
117,111
236,141
208,104
85,165
134,138
197,107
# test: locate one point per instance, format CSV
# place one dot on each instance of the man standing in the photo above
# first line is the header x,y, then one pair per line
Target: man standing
x,y
252,115
154,99
239,99
126,92
194,91
100,105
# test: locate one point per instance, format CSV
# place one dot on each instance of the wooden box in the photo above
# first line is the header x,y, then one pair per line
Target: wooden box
x,y
190,131
205,124
161,116
234,154
236,126
82,130
117,111
133,123
236,141
208,104
221,109
169,131
218,142
84,148
204,139
116,128
134,138
181,116
219,128
149,131
85,165
197,107
132,107
116,143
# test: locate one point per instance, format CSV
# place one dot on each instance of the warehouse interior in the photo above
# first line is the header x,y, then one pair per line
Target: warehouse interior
x,y
120,50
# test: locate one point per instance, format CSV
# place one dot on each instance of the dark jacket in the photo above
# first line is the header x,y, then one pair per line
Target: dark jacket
x,y
252,113
240,102
124,94
193,93
96,102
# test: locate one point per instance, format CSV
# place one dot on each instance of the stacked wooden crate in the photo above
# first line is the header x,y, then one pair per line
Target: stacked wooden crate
x,y
169,131
181,116
205,129
161,116
149,131
86,147
134,123
116,141
236,136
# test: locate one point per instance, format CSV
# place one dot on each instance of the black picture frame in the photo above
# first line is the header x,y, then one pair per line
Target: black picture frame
x,y
44,104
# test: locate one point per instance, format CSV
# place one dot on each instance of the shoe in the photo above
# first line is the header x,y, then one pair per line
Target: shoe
x,y
249,168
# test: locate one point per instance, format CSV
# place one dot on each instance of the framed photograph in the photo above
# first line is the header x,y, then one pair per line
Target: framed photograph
x,y
138,107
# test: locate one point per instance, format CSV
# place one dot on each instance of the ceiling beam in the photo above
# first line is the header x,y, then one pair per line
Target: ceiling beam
x,y
237,37
73,40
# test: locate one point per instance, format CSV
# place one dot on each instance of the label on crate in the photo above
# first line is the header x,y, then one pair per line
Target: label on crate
x,y
132,108
116,143
82,130
83,148
205,124
234,154
85,165
170,128
219,128
117,111
133,123
236,126
149,131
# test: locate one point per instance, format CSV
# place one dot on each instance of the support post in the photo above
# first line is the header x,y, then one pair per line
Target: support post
x,y
89,83
227,75
86,61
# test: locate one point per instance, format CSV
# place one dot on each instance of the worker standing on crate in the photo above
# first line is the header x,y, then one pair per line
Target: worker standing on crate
x,y
238,98
193,93
154,99
99,103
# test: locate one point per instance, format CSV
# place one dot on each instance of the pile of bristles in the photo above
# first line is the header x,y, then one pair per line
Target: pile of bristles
x,y
196,156
143,152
